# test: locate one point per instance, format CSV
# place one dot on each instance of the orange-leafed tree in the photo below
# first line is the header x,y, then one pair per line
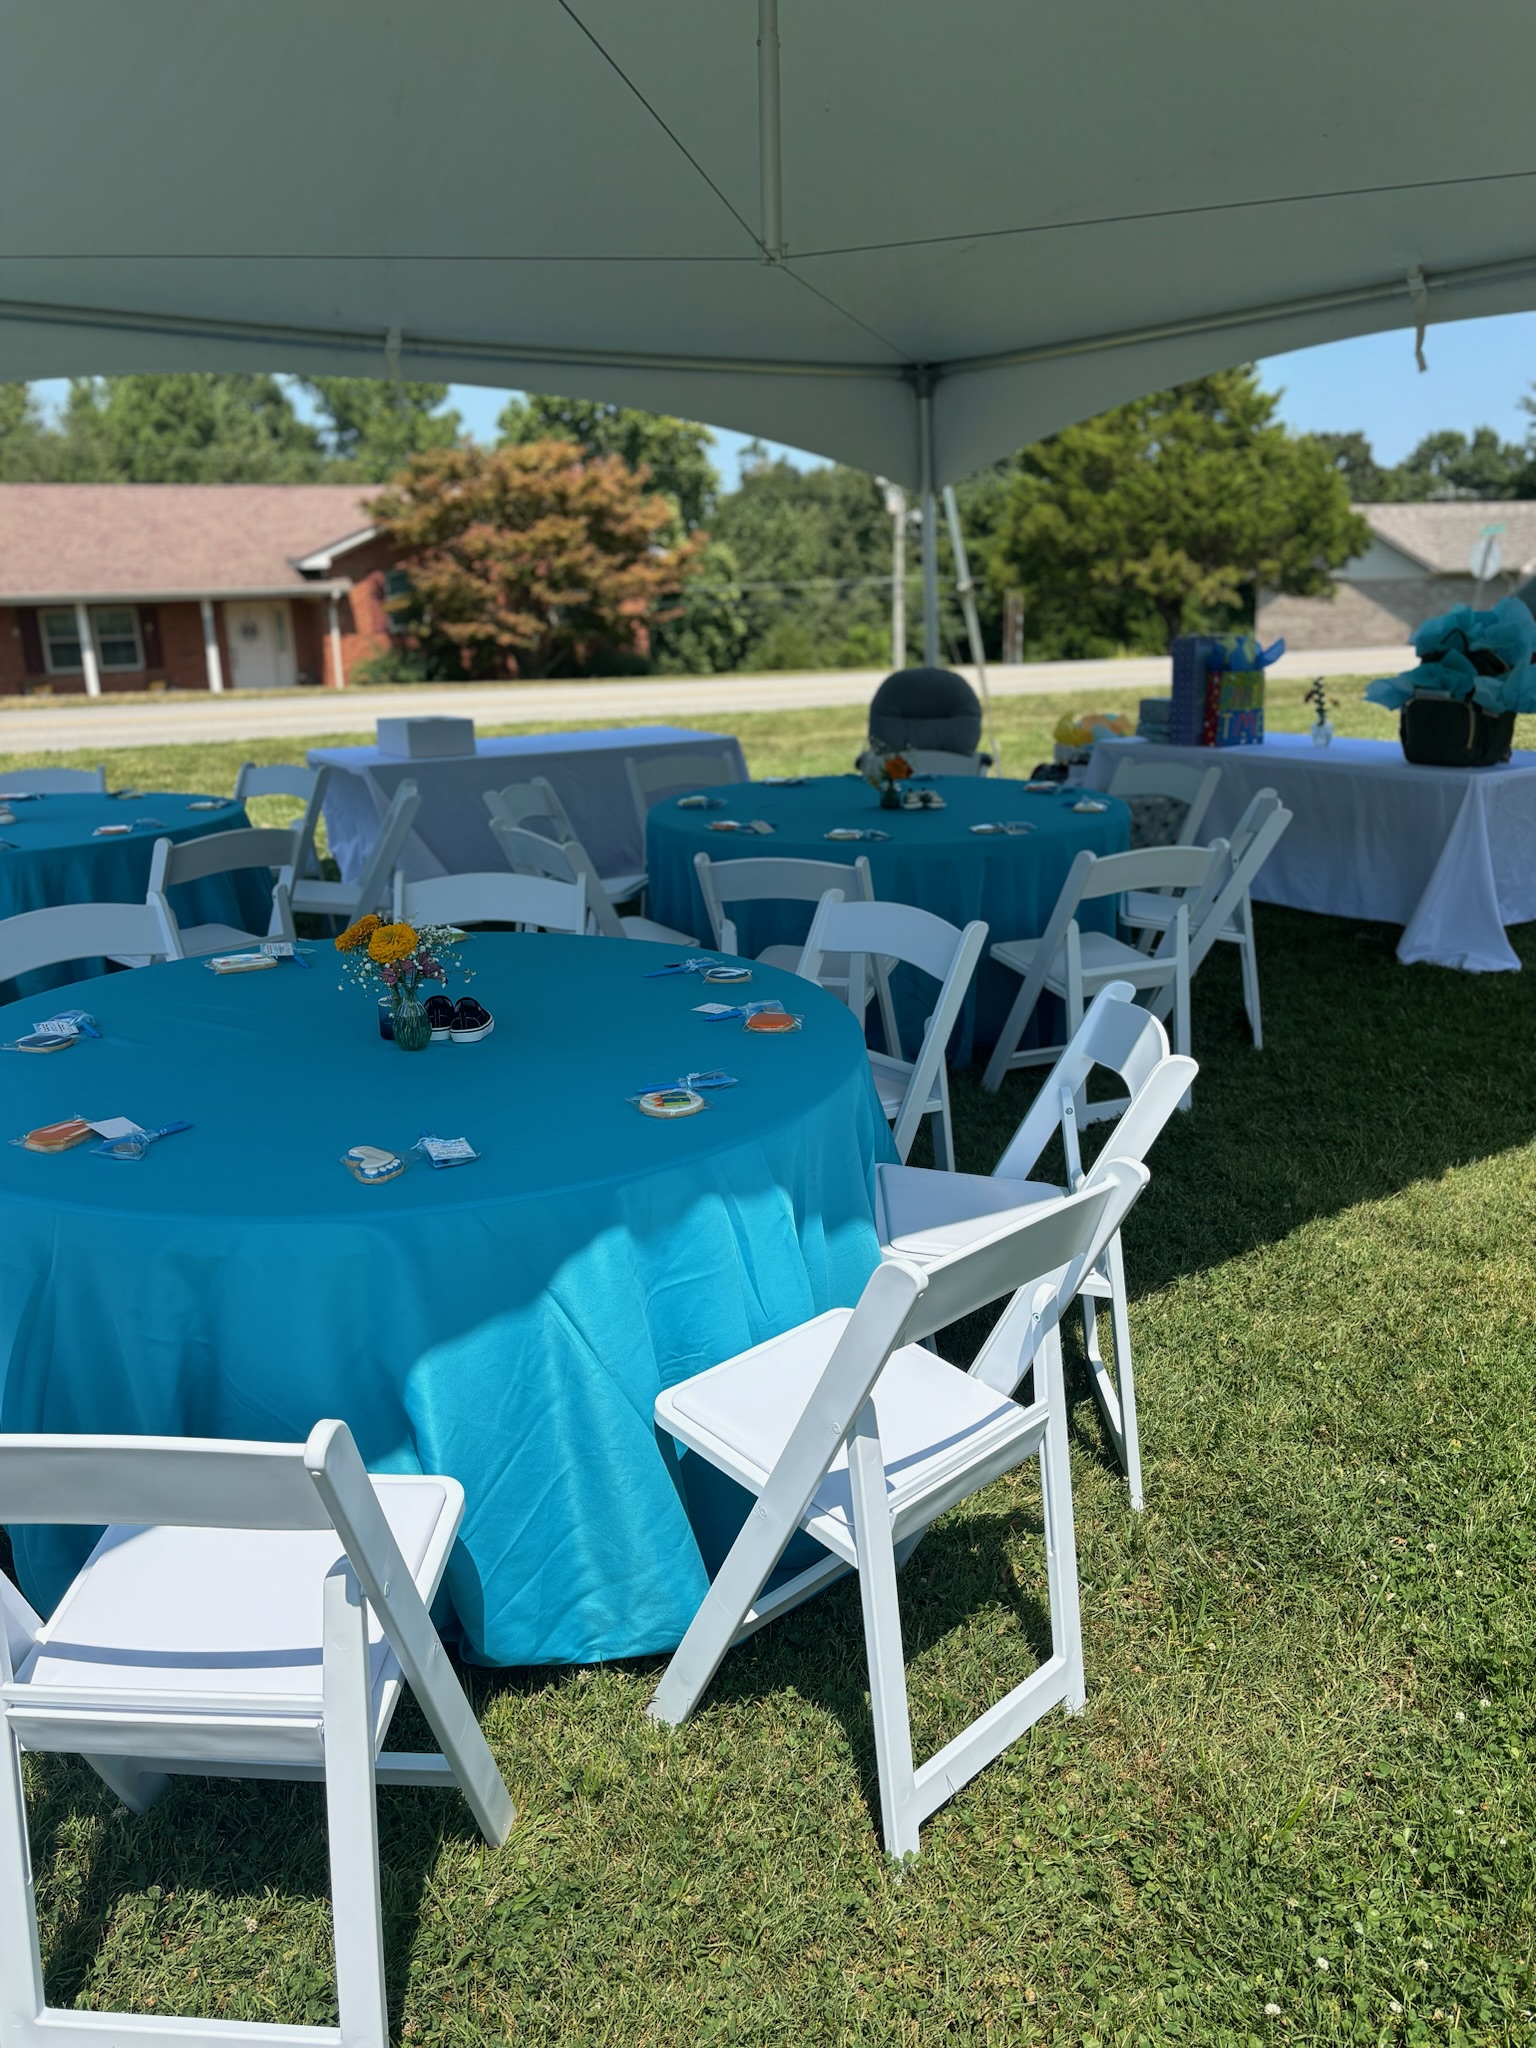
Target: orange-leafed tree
x,y
536,560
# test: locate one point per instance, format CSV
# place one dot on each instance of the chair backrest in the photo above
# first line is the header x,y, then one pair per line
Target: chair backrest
x,y
900,931
1043,1252
564,860
81,931
653,776
377,878
283,778
773,880
527,803
1128,1041
55,781
1193,787
519,899
1215,905
1260,806
226,853
1111,874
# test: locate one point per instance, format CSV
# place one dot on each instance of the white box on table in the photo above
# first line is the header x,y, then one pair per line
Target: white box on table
x,y
425,739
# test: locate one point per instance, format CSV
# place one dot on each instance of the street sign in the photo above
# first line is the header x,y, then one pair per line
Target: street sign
x,y
1487,557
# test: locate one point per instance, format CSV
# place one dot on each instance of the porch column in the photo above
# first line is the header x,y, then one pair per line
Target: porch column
x,y
333,634
211,659
87,651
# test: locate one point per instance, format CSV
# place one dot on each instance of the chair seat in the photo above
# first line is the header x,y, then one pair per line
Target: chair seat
x,y
925,1212
237,1611
200,939
891,1078
659,934
621,888
333,899
1103,958
788,957
931,1417
1146,909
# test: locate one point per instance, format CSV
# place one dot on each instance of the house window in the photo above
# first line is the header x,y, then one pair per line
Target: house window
x,y
61,643
114,628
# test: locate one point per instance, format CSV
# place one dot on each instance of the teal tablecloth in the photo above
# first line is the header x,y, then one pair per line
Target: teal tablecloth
x,y
509,1322
53,857
932,859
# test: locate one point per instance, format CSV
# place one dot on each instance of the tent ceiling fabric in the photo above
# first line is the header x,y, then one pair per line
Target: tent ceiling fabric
x,y
1049,209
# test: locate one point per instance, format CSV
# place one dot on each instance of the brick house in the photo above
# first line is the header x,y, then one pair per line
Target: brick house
x,y
193,586
1415,568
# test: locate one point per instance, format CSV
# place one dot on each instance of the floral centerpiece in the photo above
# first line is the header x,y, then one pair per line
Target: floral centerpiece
x,y
887,772
398,958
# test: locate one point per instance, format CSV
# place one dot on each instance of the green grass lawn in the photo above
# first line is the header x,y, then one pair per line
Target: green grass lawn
x,y
1299,1805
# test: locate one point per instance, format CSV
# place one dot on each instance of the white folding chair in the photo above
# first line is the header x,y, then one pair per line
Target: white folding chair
x,y
1192,787
82,931
347,901
55,781
923,1215
252,1611
849,1429
1228,915
653,776
223,853
532,902
535,805
1074,964
563,860
757,880
909,1089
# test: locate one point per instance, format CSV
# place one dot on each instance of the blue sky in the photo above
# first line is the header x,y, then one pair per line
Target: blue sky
x,y
1478,372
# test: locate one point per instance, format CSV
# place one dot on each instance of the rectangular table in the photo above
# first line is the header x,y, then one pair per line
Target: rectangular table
x,y
452,834
1448,853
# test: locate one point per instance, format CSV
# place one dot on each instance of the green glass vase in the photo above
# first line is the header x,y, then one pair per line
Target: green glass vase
x,y
412,1031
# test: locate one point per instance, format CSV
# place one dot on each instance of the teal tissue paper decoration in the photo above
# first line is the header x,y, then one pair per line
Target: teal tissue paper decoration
x,y
1447,648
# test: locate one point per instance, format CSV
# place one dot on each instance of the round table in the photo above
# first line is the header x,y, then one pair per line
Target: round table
x,y
931,858
53,856
510,1321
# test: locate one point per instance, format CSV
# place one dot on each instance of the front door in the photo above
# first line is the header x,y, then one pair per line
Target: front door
x,y
261,646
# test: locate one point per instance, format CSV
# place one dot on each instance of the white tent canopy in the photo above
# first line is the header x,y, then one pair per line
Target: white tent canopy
x,y
1025,212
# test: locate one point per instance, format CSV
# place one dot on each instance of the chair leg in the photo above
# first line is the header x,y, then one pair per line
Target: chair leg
x,y
137,1788
943,1128
900,1816
1125,1373
21,1963
1013,1030
1181,1017
1060,1535
351,1814
724,1608
1248,953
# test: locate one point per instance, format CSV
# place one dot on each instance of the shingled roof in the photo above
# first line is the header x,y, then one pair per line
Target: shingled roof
x,y
1438,534
132,541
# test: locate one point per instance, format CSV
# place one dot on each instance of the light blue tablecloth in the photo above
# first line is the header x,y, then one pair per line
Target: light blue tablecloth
x,y
932,859
54,858
509,1322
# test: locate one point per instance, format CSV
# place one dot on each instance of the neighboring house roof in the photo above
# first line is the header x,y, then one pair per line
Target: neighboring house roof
x,y
1438,534
130,541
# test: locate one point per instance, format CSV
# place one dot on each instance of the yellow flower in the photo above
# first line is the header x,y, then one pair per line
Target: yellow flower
x,y
391,942
358,934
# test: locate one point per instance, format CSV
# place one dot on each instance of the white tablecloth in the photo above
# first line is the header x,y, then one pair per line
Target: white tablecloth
x,y
452,835
1448,853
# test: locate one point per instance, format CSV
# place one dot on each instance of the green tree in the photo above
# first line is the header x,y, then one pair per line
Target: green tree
x,y
1364,478
813,548
374,426
188,429
674,454
1162,517
532,560
28,451
1449,464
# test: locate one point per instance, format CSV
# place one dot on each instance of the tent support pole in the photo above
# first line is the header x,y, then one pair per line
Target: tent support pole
x,y
965,590
770,162
930,512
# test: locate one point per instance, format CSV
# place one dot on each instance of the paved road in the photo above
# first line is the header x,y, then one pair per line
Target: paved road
x,y
96,727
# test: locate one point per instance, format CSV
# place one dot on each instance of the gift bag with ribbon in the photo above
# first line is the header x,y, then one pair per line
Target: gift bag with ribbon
x,y
1218,689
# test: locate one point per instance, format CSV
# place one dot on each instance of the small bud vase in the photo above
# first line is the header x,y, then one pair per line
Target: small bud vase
x,y
1322,733
412,1031
890,798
